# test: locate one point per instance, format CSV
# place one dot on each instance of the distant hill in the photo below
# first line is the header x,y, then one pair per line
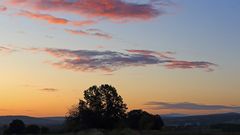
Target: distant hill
x,y
203,120
59,119
173,115
46,121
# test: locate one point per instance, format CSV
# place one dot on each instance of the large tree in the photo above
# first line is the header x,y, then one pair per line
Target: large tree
x,y
102,107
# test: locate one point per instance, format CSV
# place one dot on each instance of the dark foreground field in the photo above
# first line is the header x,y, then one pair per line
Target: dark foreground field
x,y
133,132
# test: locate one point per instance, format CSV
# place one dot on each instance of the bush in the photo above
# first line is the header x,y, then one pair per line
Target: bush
x,y
33,129
141,120
15,127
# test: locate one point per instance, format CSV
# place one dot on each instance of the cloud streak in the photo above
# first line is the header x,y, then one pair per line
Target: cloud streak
x,y
6,49
109,9
109,61
174,64
54,20
45,17
49,89
90,32
189,106
148,52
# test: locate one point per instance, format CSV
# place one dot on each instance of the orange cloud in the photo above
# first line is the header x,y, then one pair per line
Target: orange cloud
x,y
46,17
83,23
54,20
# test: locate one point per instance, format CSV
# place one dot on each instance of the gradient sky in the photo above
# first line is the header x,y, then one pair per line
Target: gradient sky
x,y
178,56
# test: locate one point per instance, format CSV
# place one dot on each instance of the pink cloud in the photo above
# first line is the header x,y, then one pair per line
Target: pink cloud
x,y
83,23
190,65
2,8
109,61
45,17
110,9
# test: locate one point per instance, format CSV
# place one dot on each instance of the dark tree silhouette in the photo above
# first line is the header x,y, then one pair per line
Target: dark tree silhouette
x,y
102,107
141,120
16,127
44,130
33,129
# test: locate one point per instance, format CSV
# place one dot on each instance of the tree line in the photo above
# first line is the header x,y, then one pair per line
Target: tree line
x,y
18,127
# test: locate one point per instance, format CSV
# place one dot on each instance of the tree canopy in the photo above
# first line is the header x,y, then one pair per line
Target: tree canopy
x,y
102,107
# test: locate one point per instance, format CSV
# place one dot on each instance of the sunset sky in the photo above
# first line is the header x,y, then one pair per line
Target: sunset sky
x,y
178,56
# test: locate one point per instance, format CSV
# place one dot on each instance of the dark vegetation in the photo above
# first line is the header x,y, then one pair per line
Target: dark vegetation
x,y
18,127
103,112
227,127
103,108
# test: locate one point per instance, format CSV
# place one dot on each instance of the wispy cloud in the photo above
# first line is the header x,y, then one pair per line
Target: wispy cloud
x,y
166,55
174,64
91,60
38,87
45,17
83,23
4,49
109,9
90,32
77,32
189,106
54,20
49,89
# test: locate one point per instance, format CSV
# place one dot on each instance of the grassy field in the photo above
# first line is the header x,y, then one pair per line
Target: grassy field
x,y
133,132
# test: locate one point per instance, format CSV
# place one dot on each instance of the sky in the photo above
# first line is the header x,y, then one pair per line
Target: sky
x,y
163,56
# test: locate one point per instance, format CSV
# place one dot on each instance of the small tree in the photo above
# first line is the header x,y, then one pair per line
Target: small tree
x,y
140,120
102,107
16,127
